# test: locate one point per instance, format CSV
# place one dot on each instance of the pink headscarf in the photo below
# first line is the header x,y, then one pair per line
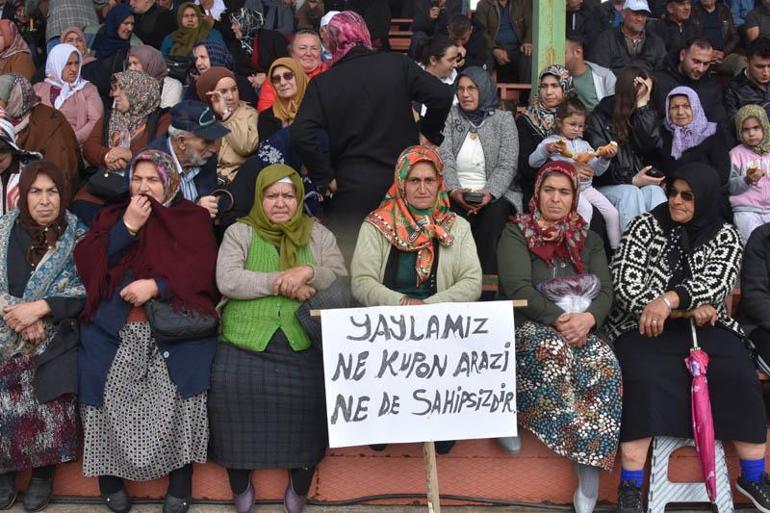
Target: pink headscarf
x,y
347,30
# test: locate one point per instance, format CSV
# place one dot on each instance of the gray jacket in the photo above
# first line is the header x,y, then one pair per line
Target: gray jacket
x,y
604,80
500,142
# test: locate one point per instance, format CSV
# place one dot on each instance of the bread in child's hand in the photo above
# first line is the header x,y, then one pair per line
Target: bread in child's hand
x,y
560,146
584,158
603,151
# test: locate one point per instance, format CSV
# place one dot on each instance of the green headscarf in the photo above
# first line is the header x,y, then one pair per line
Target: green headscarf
x,y
288,236
754,111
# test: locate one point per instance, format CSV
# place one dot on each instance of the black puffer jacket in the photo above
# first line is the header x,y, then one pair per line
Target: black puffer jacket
x,y
742,91
633,155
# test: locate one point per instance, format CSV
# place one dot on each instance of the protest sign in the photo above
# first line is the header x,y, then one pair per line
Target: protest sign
x,y
420,373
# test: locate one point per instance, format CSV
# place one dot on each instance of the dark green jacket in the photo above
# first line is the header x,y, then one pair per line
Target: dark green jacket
x,y
488,16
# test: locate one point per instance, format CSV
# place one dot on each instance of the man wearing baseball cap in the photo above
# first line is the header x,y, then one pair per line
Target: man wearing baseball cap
x,y
630,43
193,141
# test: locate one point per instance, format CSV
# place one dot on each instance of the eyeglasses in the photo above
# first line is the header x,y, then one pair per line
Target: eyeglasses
x,y
686,195
276,79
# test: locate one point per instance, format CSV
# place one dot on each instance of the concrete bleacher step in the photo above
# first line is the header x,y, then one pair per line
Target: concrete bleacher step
x,y
474,468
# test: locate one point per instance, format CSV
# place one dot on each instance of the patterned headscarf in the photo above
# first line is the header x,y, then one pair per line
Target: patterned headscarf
x,y
564,238
143,93
14,43
347,30
754,111
410,229
19,97
184,38
541,118
164,165
250,21
286,109
487,94
152,61
218,54
54,65
108,43
698,130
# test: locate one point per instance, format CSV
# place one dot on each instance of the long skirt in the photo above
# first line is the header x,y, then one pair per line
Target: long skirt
x,y
656,384
569,397
267,409
33,434
144,429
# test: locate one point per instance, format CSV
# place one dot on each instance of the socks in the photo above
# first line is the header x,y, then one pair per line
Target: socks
x,y
635,476
44,472
751,470
301,479
239,479
180,482
110,484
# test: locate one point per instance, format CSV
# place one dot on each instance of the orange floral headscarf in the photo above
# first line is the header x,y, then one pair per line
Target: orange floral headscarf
x,y
410,229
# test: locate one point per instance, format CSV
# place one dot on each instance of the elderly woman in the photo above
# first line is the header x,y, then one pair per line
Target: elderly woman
x,y
254,48
629,119
40,293
290,82
12,160
149,60
480,157
143,391
676,265
193,28
568,380
90,68
266,372
15,56
213,53
219,89
66,91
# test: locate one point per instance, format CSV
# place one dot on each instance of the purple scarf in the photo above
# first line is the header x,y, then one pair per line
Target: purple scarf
x,y
699,129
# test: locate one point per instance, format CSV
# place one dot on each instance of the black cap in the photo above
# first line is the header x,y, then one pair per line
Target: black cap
x,y
197,118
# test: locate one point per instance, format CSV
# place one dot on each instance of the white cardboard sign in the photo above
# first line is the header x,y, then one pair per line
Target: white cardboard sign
x,y
398,374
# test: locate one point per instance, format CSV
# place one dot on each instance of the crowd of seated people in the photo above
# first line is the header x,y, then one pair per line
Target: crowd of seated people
x,y
239,163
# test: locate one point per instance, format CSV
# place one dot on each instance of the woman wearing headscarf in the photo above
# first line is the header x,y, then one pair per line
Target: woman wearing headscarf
x,y
149,60
267,373
212,53
193,28
15,56
143,396
677,265
217,85
365,137
254,48
41,295
40,128
290,83
90,69
66,91
12,161
629,118
568,381
132,124
113,40
480,151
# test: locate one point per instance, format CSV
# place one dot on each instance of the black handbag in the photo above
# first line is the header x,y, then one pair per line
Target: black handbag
x,y
171,325
111,186
179,67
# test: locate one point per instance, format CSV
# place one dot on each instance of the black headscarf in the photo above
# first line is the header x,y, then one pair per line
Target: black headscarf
x,y
487,95
706,221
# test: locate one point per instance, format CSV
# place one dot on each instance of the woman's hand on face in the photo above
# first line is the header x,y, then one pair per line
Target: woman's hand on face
x,y
21,316
137,213
574,327
653,318
139,292
219,104
642,179
703,315
291,280
34,333
643,91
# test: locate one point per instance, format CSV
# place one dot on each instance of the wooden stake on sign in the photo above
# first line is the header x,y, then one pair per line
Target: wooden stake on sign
x,y
429,448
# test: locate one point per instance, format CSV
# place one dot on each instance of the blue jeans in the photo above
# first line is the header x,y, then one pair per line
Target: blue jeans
x,y
630,200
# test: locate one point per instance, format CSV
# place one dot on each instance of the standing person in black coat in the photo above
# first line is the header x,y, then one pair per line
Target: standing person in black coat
x,y
152,22
364,104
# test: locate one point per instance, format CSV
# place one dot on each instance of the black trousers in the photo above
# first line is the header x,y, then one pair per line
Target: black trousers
x,y
486,226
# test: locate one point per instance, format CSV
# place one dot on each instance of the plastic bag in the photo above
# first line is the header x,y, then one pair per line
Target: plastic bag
x,y
574,293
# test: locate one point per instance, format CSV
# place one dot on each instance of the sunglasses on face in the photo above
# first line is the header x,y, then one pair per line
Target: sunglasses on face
x,y
287,76
686,195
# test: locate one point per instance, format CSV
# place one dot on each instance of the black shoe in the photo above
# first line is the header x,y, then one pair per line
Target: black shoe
x,y
7,490
175,505
38,493
119,502
630,498
758,493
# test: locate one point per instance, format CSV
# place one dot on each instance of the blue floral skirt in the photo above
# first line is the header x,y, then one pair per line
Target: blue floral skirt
x,y
569,397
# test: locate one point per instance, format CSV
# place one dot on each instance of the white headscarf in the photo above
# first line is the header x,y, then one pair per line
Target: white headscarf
x,y
57,59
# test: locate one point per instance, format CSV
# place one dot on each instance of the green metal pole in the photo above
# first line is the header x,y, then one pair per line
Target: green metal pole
x,y
548,29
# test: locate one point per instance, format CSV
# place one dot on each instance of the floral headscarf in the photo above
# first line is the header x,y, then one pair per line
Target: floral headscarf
x,y
286,109
184,38
566,237
699,129
754,111
143,94
19,97
14,43
347,30
407,228
54,65
250,21
169,175
541,118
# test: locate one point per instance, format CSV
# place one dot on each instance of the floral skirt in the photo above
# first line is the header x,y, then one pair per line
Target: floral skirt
x,y
33,434
569,397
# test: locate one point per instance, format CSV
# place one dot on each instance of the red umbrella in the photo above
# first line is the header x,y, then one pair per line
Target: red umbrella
x,y
702,421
